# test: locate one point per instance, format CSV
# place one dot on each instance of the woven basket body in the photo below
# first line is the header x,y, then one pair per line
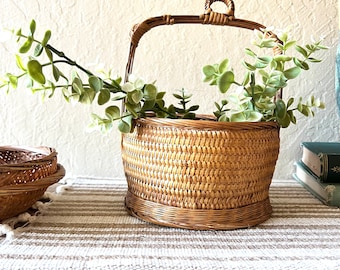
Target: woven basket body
x,y
25,174
200,174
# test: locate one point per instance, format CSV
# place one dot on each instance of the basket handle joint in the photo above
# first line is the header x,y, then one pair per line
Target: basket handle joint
x,y
215,18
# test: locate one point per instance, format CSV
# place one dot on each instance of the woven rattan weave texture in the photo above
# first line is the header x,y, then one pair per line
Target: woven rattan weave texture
x,y
25,174
199,174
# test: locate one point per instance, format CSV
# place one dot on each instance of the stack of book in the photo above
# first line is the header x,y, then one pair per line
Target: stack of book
x,y
318,171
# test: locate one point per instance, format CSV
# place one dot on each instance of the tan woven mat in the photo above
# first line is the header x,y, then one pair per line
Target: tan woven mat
x,y
87,227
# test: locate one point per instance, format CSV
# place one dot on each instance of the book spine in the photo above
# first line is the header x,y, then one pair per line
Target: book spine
x,y
330,168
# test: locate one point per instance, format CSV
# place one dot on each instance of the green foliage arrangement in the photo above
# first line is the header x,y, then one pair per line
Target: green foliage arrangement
x,y
254,99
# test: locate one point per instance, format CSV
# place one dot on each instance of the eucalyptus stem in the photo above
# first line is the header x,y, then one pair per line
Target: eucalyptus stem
x,y
165,111
252,86
68,60
74,63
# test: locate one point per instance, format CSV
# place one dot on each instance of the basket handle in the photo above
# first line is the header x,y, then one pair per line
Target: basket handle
x,y
209,17
229,3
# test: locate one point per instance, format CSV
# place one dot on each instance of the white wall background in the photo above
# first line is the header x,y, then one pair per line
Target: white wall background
x,y
98,31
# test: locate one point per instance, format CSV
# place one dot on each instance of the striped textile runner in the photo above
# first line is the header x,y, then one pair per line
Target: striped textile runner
x,y
86,227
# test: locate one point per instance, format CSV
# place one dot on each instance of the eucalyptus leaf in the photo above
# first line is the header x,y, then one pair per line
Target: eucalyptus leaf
x,y
311,100
134,109
301,64
20,63
225,81
149,104
291,116
87,96
27,45
233,98
271,91
160,103
189,116
260,65
124,126
264,59
246,78
289,44
150,91
34,69
18,33
160,95
38,50
223,118
128,87
250,52
301,50
32,27
95,83
77,86
283,37
171,110
254,116
223,66
282,58
248,66
135,97
194,108
13,80
112,112
285,121
292,73
305,110
322,105
268,43
118,96
46,38
56,73
313,60
139,84
322,47
290,102
281,109
208,70
238,117
103,97
49,54
264,74
177,96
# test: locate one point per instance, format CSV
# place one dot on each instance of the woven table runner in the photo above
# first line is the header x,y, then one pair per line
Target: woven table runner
x,y
87,227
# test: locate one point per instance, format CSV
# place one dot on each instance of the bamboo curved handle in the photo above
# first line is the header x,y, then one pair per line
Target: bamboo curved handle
x,y
229,3
209,17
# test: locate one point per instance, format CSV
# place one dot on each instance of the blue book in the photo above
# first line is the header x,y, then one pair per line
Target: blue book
x,y
327,193
323,159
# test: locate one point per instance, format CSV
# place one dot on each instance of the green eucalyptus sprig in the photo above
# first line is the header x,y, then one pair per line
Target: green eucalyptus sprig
x,y
183,110
256,97
139,98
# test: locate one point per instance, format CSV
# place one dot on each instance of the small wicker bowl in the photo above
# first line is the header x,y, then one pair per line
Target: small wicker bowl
x,y
25,174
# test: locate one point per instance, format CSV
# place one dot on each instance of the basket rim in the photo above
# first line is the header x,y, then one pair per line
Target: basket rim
x,y
47,152
10,190
204,122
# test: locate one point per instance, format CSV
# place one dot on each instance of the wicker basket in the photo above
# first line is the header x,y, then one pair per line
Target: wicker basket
x,y
199,174
25,174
